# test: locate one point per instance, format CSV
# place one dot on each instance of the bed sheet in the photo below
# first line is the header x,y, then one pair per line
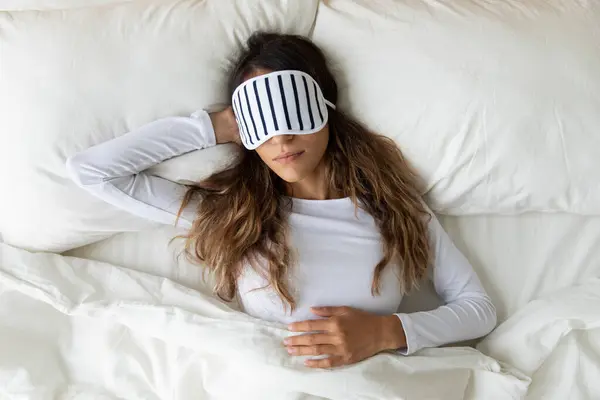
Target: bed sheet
x,y
540,269
518,258
79,329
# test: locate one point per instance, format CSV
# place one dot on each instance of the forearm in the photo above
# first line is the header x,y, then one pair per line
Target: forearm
x,y
141,149
464,319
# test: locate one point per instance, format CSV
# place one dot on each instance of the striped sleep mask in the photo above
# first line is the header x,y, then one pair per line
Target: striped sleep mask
x,y
278,103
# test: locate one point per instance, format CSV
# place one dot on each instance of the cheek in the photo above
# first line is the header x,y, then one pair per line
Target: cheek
x,y
267,153
316,145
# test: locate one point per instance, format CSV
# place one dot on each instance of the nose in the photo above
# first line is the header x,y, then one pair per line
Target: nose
x,y
281,139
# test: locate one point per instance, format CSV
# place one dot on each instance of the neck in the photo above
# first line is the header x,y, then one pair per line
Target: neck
x,y
313,187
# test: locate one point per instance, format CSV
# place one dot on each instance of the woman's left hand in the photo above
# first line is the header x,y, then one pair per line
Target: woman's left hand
x,y
347,335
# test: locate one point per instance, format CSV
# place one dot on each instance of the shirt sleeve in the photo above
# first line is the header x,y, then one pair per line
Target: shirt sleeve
x,y
114,170
468,312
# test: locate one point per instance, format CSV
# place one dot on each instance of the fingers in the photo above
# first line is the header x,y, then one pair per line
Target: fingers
x,y
316,325
329,311
308,340
320,324
330,362
317,350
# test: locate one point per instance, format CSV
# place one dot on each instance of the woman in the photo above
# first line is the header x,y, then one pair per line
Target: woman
x,y
319,225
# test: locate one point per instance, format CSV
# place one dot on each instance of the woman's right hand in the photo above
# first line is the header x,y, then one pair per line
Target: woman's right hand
x,y
225,126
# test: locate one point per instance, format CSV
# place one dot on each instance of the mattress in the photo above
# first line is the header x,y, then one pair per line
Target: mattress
x,y
528,256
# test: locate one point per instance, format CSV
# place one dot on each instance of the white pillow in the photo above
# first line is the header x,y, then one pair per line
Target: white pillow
x,y
496,103
70,79
22,5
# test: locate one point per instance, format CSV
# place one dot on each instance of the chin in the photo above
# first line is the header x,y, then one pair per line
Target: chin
x,y
291,176
291,179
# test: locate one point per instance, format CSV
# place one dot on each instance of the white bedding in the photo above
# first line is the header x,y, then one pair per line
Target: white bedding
x,y
556,341
22,5
74,328
505,122
494,102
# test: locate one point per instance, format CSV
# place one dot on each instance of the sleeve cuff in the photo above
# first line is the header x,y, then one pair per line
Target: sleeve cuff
x,y
207,130
411,336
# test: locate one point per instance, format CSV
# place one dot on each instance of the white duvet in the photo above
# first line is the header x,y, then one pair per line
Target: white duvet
x,y
74,328
556,341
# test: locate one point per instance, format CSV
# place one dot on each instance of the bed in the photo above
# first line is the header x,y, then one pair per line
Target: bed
x,y
495,105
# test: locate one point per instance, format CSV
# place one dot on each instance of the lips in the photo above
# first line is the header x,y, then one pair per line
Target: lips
x,y
288,157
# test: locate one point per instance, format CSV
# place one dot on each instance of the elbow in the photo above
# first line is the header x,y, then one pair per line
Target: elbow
x,y
489,316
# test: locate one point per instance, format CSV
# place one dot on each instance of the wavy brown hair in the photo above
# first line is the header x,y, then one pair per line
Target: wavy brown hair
x,y
242,212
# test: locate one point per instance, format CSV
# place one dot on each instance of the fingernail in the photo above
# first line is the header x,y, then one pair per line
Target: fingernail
x,y
290,327
286,341
291,351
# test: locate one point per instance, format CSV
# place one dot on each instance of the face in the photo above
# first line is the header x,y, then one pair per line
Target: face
x,y
293,157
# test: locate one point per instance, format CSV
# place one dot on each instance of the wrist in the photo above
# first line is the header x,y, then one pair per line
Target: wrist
x,y
224,126
393,336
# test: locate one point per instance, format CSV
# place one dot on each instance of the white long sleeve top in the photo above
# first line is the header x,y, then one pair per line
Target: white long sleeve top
x,y
337,248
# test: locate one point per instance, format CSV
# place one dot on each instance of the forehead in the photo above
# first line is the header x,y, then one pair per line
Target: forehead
x,y
256,72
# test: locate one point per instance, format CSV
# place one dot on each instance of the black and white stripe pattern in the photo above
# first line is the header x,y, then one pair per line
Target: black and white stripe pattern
x,y
278,103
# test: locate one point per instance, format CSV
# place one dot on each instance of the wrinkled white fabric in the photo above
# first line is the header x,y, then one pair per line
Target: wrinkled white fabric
x,y
494,102
26,5
556,341
84,328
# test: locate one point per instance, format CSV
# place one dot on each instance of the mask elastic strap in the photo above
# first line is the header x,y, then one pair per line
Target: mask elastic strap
x,y
330,104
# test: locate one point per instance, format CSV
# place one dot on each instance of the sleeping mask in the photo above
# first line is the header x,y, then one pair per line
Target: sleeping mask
x,y
278,103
